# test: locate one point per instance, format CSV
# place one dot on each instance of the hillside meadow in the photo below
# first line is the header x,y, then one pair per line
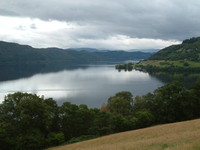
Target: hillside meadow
x,y
182,135
168,63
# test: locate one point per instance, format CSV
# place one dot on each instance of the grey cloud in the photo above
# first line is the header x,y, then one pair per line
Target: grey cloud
x,y
5,12
157,19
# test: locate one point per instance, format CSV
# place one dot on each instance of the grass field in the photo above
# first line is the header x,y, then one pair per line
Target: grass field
x,y
175,136
167,63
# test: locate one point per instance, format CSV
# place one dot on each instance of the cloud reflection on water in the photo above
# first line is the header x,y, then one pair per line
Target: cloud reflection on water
x,y
91,86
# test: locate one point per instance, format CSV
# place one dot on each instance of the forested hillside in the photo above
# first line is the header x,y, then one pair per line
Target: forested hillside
x,y
188,50
184,57
12,53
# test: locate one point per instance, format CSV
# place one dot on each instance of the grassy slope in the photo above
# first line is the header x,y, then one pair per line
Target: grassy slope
x,y
168,63
176,136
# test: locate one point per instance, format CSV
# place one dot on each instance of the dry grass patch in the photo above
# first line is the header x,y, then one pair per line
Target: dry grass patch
x,y
176,136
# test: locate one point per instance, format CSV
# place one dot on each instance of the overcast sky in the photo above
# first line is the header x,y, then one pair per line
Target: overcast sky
x,y
102,24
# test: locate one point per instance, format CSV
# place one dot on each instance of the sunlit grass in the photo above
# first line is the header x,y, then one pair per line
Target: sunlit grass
x,y
176,136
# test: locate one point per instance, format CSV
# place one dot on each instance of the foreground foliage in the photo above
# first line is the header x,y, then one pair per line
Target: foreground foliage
x,y
28,121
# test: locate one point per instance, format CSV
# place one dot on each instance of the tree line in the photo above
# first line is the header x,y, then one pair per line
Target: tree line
x,y
28,121
128,66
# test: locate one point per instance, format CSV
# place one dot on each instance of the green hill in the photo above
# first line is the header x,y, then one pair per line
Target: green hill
x,y
175,136
12,54
188,50
184,57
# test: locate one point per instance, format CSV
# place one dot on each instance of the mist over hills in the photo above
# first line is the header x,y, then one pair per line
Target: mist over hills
x,y
107,50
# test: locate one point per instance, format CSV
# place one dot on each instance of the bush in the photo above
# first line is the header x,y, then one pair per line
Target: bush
x,y
144,119
33,140
55,139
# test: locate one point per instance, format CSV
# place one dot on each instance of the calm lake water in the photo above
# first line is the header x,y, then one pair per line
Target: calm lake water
x,y
91,85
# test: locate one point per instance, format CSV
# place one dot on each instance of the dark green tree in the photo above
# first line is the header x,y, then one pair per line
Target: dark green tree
x,y
68,119
169,101
102,123
144,119
25,121
195,100
121,103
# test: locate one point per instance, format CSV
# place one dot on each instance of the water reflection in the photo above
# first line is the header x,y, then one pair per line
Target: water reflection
x,y
91,85
12,72
187,79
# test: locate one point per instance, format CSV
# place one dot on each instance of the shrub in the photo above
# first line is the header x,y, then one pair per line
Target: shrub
x,y
55,139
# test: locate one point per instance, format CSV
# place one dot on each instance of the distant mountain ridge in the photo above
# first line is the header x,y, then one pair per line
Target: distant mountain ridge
x,y
88,49
188,50
13,53
107,50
